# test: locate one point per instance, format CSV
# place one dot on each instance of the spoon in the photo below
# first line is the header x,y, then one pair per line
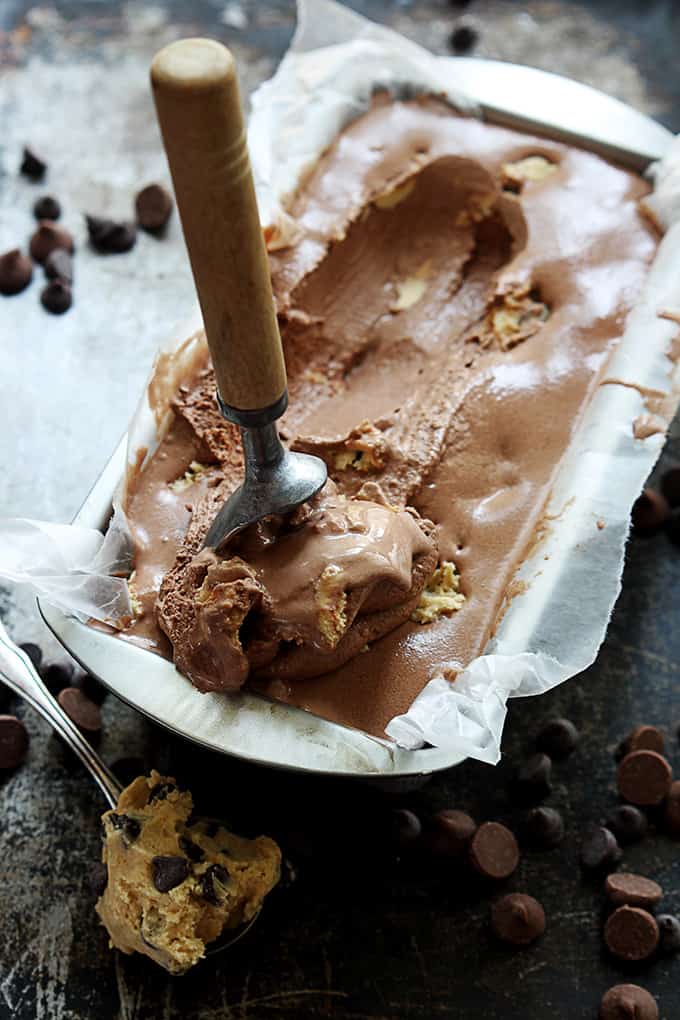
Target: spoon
x,y
198,105
20,675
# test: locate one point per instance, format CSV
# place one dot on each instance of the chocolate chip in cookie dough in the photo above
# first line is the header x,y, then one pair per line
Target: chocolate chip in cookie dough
x,y
59,265
214,883
47,208
517,919
558,738
644,778
13,742
628,1002
110,237
128,827
160,791
533,780
600,850
493,851
193,851
16,272
544,827
669,934
47,237
634,890
631,934
169,872
153,206
32,165
628,823
56,297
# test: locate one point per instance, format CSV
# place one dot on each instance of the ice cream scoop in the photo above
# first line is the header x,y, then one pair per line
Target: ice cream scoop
x,y
199,111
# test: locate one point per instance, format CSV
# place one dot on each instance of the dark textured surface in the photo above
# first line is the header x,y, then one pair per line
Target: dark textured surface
x,y
358,934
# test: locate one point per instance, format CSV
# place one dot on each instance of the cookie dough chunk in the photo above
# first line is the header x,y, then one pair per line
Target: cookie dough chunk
x,y
174,887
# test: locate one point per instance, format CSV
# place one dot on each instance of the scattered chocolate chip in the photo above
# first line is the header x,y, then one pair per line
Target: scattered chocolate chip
x,y
32,165
47,237
645,738
153,206
600,850
533,781
544,827
109,237
450,832
16,272
670,486
650,511
628,1002
13,742
56,676
59,265
558,738
631,934
634,890
463,38
644,778
494,851
669,934
193,851
99,878
168,872
627,823
404,828
129,828
47,208
160,791
517,919
213,882
80,710
91,687
127,769
34,652
671,815
56,297
673,527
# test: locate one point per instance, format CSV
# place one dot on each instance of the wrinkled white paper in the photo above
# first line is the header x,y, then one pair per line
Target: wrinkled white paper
x,y
554,629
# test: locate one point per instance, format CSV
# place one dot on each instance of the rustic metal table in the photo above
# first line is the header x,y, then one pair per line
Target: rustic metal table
x,y
358,934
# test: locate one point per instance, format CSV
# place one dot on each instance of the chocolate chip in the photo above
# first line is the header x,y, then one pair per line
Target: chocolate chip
x,y
670,486
493,851
160,791
544,827
99,878
153,206
213,884
129,828
631,934
669,934
628,1002
673,527
517,919
463,38
600,850
211,829
91,687
193,851
80,710
627,823
16,272
47,238
56,297
47,208
34,652
671,815
533,781
109,237
650,512
168,872
59,265
645,738
13,742
32,165
558,738
644,778
634,890
450,832
404,828
127,769
56,676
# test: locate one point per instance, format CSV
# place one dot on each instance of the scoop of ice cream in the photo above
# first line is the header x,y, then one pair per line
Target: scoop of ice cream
x,y
172,887
297,596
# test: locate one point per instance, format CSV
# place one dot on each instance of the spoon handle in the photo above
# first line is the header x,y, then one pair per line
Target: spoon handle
x,y
18,673
196,92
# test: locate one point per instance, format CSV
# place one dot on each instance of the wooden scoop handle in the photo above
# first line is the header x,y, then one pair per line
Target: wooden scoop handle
x,y
198,104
